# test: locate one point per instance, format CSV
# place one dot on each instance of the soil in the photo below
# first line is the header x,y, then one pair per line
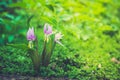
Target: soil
x,y
14,77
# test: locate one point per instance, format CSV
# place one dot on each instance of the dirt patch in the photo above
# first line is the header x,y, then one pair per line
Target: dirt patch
x,y
14,77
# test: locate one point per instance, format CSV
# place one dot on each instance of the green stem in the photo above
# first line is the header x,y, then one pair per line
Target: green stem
x,y
44,53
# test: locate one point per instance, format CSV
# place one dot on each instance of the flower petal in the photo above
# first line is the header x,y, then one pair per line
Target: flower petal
x,y
30,34
59,43
47,29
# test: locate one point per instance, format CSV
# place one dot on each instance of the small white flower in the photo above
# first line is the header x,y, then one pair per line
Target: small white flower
x,y
58,36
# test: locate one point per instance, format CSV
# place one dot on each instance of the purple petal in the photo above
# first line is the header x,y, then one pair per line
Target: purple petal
x,y
30,34
47,29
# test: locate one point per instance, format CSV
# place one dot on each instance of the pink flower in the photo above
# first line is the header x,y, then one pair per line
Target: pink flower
x,y
47,29
30,34
58,36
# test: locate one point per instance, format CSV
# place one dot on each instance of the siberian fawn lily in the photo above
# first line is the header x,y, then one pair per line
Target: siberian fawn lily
x,y
50,41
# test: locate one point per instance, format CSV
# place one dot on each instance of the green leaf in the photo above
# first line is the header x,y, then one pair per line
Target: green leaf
x,y
10,38
20,46
18,4
50,7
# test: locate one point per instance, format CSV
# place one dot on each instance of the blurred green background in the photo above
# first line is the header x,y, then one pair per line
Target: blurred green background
x,y
91,31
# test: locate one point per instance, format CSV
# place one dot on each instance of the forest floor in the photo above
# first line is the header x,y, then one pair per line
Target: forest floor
x,y
14,77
